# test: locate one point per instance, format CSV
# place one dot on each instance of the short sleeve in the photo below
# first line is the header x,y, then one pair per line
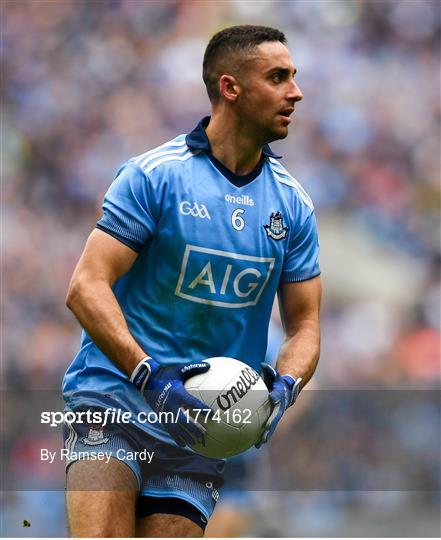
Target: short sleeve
x,y
301,260
129,208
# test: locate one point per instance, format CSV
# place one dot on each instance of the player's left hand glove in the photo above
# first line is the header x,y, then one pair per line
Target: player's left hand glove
x,y
283,393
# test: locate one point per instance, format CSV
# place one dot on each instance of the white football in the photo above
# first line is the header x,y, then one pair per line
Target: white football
x,y
239,399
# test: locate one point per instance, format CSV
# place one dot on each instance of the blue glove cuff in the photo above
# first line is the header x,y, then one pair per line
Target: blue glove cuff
x,y
141,374
294,387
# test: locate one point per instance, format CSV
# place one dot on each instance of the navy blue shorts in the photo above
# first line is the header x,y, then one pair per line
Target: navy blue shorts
x,y
163,471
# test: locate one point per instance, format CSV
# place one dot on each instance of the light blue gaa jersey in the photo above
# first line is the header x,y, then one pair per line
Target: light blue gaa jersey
x,y
212,250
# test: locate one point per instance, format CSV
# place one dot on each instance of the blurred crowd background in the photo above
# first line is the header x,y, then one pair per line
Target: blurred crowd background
x,y
85,85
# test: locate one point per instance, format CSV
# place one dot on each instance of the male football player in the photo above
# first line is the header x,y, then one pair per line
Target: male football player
x,y
196,238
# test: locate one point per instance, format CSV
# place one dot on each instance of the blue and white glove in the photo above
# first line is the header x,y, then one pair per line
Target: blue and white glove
x,y
162,386
283,391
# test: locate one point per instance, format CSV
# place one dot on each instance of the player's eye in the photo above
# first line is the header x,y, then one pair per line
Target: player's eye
x,y
276,77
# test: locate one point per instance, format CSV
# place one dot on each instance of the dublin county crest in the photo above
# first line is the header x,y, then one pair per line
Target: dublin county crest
x,y
275,229
96,436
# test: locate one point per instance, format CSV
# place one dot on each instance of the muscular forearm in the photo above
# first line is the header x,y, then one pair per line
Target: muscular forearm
x,y
99,313
300,352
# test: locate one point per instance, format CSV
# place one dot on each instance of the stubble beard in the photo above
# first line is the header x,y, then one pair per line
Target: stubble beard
x,y
277,133
267,131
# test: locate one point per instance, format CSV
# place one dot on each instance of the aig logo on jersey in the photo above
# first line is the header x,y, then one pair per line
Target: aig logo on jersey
x,y
221,278
194,209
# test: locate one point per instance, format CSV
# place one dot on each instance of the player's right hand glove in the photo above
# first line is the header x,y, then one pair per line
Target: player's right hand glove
x,y
283,391
162,386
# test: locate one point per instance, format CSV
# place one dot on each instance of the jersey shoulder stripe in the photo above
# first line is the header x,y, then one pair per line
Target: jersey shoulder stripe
x,y
175,143
283,176
175,157
174,150
150,159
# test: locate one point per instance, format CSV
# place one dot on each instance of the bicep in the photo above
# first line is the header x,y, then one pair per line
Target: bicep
x,y
104,258
299,303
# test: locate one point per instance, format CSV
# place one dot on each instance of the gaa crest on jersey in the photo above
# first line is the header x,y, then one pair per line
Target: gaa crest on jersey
x,y
275,229
96,436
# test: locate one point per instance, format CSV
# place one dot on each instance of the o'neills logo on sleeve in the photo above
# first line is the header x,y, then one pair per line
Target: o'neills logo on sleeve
x,y
247,379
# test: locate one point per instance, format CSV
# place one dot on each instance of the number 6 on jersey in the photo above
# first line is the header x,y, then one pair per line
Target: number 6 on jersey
x,y
237,220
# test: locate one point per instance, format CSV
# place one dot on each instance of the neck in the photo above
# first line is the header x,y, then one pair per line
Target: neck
x,y
231,145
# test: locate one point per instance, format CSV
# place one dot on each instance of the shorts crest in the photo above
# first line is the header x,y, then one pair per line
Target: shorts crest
x,y
96,436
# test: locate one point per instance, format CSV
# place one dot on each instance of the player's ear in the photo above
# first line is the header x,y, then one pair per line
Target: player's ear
x,y
229,87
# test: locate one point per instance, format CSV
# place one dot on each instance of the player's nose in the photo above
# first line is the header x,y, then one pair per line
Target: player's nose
x,y
294,94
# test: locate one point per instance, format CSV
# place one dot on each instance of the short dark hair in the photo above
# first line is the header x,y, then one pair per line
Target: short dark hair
x,y
228,43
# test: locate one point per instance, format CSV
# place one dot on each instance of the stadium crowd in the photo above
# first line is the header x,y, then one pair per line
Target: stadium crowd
x,y
88,84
